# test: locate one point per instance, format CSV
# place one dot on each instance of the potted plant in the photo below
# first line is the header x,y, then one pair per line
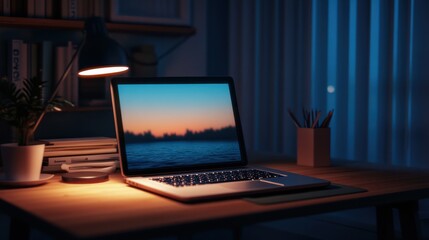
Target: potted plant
x,y
23,108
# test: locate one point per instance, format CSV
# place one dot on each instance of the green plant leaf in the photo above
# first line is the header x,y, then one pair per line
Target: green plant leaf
x,y
22,108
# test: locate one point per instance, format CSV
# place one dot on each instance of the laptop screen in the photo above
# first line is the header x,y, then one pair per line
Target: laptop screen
x,y
167,124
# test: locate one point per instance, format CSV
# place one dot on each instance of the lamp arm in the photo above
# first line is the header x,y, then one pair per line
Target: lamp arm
x,y
67,71
60,81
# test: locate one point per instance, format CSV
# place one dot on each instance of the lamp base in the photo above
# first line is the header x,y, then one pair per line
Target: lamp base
x,y
85,177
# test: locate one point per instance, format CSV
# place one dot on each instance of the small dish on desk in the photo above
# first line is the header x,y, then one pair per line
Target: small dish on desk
x,y
12,183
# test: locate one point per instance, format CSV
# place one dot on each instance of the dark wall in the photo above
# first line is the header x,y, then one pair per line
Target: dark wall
x,y
217,13
68,124
5,133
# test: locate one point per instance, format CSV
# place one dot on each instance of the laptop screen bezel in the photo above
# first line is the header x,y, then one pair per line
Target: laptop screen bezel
x,y
125,170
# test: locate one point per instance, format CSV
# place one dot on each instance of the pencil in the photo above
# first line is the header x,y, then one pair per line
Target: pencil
x,y
295,120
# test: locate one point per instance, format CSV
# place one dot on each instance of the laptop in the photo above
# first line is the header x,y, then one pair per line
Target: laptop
x,y
181,137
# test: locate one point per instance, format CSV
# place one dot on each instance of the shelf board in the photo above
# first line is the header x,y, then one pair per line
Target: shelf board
x,y
85,109
45,23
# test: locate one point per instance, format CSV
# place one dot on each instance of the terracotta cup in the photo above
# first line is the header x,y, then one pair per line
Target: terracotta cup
x,y
22,163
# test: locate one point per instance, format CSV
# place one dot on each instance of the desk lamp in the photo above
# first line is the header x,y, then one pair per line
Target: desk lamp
x,y
99,56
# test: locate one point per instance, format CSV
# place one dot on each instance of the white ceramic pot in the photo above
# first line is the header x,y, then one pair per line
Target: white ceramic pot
x,y
22,163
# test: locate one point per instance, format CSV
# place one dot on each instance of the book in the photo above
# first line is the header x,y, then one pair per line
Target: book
x,y
80,158
32,60
30,8
72,80
79,146
60,55
40,8
64,4
79,141
75,167
23,62
99,8
79,152
17,61
6,8
72,9
51,148
46,69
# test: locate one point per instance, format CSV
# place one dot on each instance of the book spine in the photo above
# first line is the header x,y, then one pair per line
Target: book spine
x,y
82,158
72,9
46,69
81,8
60,53
64,9
30,8
73,141
24,62
40,8
72,80
49,8
57,168
68,85
15,56
99,8
75,77
80,152
32,63
6,7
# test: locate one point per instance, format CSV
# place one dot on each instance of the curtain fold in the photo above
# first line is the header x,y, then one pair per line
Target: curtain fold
x,y
366,59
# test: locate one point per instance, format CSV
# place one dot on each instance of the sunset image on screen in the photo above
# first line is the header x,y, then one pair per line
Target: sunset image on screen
x,y
174,109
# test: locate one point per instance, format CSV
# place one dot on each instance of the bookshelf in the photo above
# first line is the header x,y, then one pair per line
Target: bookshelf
x,y
33,24
64,24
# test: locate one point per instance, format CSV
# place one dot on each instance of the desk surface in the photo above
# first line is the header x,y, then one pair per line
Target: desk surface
x,y
113,209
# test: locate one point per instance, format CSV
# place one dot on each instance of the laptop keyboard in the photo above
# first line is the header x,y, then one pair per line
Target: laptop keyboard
x,y
215,177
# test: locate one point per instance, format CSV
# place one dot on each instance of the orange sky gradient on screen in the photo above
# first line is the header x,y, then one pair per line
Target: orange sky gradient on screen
x,y
176,123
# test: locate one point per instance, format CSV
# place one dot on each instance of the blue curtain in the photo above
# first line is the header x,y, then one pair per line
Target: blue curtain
x,y
366,59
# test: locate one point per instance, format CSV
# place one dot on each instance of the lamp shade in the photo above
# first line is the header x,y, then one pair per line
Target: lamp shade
x,y
100,55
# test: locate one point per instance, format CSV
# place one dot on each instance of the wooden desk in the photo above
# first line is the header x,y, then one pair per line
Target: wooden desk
x,y
112,210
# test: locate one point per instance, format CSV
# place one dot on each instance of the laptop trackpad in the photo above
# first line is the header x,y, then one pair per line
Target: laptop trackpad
x,y
249,185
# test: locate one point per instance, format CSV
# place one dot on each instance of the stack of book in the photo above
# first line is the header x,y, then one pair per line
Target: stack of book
x,y
78,150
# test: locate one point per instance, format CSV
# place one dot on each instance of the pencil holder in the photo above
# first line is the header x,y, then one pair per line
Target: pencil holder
x,y
313,147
